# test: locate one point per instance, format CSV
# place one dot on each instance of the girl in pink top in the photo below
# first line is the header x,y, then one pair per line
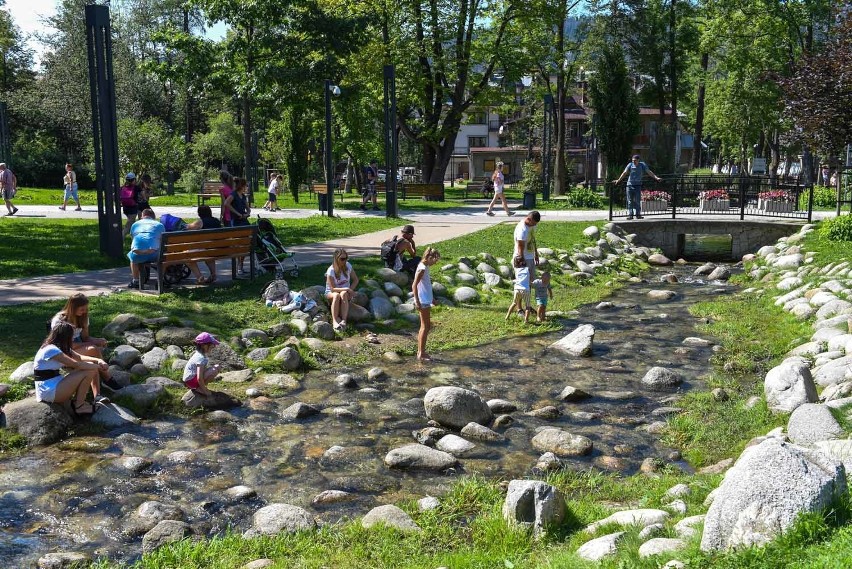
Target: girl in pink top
x,y
225,191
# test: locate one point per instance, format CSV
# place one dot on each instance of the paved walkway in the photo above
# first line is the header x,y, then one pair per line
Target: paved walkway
x,y
430,228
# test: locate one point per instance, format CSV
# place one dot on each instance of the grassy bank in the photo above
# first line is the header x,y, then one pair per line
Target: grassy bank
x,y
37,247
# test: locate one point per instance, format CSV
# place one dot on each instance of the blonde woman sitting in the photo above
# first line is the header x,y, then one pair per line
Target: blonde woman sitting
x,y
340,283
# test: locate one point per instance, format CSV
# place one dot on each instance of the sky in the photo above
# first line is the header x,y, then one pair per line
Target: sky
x,y
28,16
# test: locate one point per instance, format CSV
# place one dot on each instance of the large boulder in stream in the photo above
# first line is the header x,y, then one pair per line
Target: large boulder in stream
x,y
216,400
767,490
420,457
38,422
456,407
561,443
578,343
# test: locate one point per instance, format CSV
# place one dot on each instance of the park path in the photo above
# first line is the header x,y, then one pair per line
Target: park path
x,y
430,228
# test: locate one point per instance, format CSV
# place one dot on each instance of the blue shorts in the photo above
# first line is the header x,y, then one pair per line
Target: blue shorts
x,y
71,192
144,258
541,302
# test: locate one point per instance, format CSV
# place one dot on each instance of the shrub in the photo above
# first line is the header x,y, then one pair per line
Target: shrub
x,y
838,228
583,197
530,182
823,197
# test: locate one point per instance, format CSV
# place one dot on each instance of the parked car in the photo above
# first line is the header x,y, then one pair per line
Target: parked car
x,y
383,175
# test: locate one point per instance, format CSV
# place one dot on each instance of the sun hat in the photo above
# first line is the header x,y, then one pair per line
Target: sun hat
x,y
206,338
408,229
130,176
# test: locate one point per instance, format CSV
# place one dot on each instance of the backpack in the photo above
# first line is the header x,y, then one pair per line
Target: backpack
x,y
128,196
389,252
172,222
276,290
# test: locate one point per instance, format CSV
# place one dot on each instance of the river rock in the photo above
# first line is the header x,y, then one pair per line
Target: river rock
x,y
226,357
216,400
788,261
642,518
767,489
64,560
482,433
561,443
125,356
578,343
259,564
456,407
323,330
327,497
789,385
696,342
290,358
685,528
167,531
155,358
501,406
535,505
121,324
38,422
298,411
390,516
141,339
143,395
547,413
111,416
660,545
719,274
149,514
661,294
455,445
840,450
573,394
381,308
346,380
465,294
258,354
254,336
598,548
704,269
23,372
659,260
415,456
661,378
428,503
281,518
811,423
179,336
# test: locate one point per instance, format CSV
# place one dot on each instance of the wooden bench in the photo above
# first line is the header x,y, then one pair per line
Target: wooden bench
x,y
429,192
180,247
209,191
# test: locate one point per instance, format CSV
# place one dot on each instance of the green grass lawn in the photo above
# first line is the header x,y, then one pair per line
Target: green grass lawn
x,y
39,247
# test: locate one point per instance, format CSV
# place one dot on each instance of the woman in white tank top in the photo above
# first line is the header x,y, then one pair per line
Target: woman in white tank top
x,y
498,179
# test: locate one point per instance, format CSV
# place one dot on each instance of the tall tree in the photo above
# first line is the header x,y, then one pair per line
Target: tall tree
x,y
616,118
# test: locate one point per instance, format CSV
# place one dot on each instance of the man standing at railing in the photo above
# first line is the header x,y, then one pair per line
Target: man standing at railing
x,y
634,171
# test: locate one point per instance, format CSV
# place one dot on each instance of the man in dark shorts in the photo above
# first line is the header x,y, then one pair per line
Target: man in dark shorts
x,y
370,192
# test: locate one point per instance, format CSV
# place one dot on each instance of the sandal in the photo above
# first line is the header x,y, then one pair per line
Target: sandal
x,y
83,409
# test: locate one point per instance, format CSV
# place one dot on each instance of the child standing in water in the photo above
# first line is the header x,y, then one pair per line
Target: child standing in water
x,y
543,290
422,289
196,374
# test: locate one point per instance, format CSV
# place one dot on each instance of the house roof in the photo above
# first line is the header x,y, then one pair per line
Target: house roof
x,y
492,149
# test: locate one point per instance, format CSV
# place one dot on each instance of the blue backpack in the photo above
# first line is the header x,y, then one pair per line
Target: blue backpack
x,y
172,223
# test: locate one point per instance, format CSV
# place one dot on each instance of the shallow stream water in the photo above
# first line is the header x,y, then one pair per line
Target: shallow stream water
x,y
76,495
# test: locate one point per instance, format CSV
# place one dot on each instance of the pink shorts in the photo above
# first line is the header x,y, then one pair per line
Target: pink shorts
x,y
192,383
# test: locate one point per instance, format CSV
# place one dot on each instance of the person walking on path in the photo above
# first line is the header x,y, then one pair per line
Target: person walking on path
x,y
274,189
525,246
8,188
634,171
370,192
421,288
70,183
498,180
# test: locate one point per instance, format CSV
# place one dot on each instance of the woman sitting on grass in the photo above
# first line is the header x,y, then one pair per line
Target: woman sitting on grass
x,y
76,313
53,387
340,283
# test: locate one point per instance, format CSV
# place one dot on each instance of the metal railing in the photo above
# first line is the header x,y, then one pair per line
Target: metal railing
x,y
715,195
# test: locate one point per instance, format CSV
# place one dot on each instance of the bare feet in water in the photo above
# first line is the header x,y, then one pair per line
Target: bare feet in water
x,y
424,357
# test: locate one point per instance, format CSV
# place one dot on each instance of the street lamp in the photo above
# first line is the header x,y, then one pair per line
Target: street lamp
x,y
329,164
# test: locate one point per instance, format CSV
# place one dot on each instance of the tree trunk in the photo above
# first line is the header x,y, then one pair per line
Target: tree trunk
x,y
699,111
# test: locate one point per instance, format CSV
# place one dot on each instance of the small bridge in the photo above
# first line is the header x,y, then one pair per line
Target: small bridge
x,y
671,235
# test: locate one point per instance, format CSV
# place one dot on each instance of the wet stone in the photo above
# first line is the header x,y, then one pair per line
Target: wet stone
x,y
299,411
331,497
64,560
502,422
501,406
548,413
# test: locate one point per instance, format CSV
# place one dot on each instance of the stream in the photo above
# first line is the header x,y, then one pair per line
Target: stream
x,y
79,495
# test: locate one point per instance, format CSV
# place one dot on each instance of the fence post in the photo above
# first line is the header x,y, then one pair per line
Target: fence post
x,y
609,190
674,198
742,198
811,202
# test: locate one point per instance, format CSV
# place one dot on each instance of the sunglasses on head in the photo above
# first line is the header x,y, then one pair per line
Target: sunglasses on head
x,y
344,257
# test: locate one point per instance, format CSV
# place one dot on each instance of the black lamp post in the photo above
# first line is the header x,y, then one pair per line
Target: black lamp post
x,y
545,143
391,141
329,163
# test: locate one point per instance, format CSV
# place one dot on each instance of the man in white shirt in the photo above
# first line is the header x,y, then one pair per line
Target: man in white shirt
x,y
525,245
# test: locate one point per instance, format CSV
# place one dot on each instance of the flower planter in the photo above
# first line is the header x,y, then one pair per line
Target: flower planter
x,y
655,206
774,206
714,205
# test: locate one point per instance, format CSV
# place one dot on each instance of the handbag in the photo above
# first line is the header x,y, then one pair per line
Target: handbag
x,y
519,261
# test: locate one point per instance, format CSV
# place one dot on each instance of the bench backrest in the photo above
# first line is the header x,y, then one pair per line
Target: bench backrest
x,y
202,244
210,186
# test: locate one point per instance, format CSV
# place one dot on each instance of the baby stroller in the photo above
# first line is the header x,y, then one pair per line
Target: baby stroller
x,y
271,254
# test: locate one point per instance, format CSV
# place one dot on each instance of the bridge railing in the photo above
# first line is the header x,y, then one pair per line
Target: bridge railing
x,y
716,195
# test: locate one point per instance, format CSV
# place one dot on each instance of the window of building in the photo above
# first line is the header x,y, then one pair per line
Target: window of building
x,y
477,141
477,117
